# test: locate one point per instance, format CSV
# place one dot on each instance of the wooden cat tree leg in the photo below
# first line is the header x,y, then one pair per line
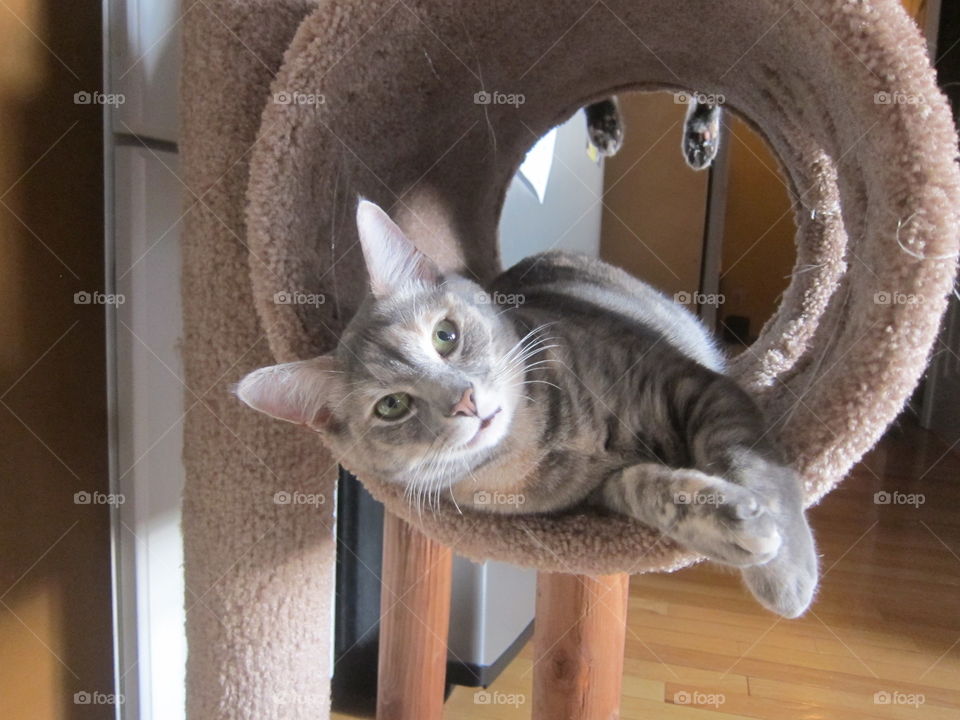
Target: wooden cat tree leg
x,y
578,646
415,607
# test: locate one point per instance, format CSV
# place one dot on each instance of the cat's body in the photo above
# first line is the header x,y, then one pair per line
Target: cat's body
x,y
565,382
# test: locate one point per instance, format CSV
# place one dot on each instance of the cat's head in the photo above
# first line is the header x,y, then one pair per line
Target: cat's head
x,y
423,384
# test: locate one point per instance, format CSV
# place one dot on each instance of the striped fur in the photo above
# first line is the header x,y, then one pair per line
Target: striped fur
x,y
599,390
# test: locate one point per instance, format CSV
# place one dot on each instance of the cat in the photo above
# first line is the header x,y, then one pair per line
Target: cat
x,y
701,129
565,382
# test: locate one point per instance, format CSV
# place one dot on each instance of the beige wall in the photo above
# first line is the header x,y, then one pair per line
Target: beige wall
x,y
55,634
758,235
654,204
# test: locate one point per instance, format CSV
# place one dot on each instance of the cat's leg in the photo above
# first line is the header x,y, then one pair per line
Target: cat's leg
x,y
701,134
709,515
605,125
728,436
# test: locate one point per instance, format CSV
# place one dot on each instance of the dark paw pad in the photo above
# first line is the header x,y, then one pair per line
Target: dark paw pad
x,y
606,135
700,147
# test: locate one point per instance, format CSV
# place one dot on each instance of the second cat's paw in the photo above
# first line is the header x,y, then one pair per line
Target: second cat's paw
x,y
606,135
701,144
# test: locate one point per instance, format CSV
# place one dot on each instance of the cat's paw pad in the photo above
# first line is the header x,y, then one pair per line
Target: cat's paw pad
x,y
606,134
701,144
727,523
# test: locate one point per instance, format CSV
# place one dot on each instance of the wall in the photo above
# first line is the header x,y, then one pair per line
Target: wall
x,y
55,632
654,205
758,234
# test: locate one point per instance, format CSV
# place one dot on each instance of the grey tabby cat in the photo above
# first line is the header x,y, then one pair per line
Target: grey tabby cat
x,y
595,388
701,129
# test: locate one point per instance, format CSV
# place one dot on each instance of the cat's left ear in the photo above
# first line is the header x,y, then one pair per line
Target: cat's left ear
x,y
393,262
299,392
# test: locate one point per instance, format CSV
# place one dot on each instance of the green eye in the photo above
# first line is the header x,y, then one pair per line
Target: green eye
x,y
445,337
393,407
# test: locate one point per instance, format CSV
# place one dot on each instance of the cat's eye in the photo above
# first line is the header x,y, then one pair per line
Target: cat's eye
x,y
394,406
445,337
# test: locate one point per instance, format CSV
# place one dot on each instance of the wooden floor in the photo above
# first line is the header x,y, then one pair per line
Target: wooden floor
x,y
881,641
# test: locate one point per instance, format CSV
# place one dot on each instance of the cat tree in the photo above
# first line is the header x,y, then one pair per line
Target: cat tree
x,y
293,108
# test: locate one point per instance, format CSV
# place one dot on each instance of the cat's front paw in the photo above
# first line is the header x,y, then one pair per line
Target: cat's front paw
x,y
726,523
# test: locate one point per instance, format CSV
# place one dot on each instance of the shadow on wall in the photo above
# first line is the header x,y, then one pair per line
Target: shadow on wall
x,y
55,583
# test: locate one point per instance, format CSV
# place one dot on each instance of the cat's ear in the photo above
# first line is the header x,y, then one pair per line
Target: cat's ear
x,y
298,392
393,262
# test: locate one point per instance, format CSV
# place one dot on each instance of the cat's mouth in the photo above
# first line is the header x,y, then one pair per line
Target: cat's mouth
x,y
484,424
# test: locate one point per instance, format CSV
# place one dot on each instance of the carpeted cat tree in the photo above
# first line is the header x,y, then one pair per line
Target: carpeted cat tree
x,y
292,108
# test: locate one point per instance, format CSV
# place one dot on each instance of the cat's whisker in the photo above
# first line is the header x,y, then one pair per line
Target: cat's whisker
x,y
531,382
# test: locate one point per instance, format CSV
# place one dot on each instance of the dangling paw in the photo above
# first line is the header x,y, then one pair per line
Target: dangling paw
x,y
604,126
786,585
701,135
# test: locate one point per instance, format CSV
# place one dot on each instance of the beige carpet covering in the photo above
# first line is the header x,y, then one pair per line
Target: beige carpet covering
x,y
378,98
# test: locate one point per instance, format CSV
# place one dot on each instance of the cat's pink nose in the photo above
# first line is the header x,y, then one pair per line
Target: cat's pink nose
x,y
465,405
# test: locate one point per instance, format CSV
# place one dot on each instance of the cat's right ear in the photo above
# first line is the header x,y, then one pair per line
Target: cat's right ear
x,y
298,392
393,262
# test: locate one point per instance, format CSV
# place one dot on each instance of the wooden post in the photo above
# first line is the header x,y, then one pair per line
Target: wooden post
x,y
415,612
578,646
